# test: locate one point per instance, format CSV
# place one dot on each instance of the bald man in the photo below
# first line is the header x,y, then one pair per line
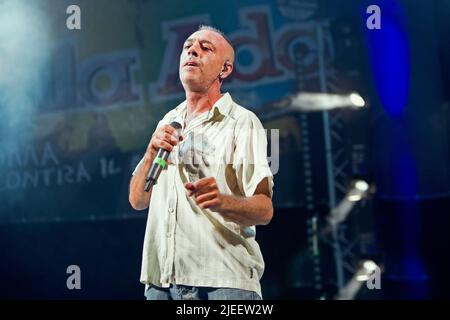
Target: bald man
x,y
217,186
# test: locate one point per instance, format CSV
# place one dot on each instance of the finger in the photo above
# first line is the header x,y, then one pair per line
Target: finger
x,y
189,185
171,138
209,204
205,197
168,138
174,133
169,129
189,188
200,184
163,144
206,189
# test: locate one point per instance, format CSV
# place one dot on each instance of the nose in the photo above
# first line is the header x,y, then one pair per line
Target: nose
x,y
194,49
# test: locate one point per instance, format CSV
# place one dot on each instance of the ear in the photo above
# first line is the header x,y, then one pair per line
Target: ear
x,y
227,70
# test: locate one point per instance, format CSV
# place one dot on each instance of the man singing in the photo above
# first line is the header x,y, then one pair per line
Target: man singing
x,y
217,186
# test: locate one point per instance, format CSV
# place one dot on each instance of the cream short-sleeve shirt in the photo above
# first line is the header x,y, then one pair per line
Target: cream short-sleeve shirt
x,y
185,244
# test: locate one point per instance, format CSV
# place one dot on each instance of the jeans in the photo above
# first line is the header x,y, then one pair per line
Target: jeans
x,y
180,292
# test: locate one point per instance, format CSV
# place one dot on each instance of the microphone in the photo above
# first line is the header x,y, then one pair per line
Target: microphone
x,y
160,162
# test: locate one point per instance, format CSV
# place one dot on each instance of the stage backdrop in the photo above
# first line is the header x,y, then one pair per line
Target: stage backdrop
x,y
78,107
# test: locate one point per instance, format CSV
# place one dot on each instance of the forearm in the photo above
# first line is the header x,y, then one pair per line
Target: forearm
x,y
138,197
165,137
249,211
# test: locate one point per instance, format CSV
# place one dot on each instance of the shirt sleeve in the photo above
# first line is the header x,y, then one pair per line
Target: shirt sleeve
x,y
250,155
138,166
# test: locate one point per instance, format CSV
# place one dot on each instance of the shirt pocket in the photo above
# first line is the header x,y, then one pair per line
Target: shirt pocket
x,y
198,156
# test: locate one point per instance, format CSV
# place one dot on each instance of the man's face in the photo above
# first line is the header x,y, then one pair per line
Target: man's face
x,y
202,60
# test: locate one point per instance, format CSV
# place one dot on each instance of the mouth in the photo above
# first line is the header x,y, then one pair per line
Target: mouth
x,y
191,64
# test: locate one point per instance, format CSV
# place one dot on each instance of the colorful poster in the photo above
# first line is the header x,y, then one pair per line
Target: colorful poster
x,y
78,116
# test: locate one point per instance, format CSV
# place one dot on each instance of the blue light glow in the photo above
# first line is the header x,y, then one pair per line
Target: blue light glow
x,y
389,54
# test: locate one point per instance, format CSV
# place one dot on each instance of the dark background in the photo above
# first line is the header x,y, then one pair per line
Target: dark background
x,y
399,143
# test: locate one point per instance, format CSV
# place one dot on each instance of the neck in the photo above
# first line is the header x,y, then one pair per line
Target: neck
x,y
199,102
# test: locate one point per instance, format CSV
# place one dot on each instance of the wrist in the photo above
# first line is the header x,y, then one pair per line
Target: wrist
x,y
149,157
224,204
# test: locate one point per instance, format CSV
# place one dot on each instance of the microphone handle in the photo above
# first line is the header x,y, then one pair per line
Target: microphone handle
x,y
155,169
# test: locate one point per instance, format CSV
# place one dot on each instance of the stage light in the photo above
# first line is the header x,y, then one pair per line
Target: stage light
x,y
361,185
370,266
313,101
358,190
357,100
364,273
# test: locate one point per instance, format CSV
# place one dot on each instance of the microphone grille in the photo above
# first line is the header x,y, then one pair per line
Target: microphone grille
x,y
176,125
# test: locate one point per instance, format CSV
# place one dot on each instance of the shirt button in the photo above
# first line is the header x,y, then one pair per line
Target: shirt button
x,y
170,210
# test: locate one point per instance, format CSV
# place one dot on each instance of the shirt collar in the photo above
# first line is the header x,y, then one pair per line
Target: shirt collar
x,y
222,106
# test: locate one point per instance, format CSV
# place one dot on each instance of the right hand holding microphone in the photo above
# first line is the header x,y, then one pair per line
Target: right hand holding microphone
x,y
161,144
166,137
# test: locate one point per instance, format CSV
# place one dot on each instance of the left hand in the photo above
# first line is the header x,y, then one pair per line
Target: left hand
x,y
205,192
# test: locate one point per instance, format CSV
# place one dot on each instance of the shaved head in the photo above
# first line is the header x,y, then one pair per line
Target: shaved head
x,y
229,47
